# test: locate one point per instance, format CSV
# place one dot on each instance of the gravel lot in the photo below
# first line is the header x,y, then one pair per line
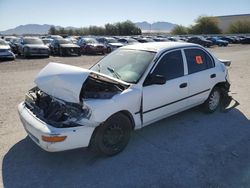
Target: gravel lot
x,y
191,149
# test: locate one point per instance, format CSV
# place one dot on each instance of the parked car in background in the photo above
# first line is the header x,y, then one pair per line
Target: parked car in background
x,y
127,41
32,46
72,39
201,41
5,51
9,38
144,39
160,39
228,39
63,47
72,107
245,40
90,45
14,45
55,37
110,43
218,41
47,41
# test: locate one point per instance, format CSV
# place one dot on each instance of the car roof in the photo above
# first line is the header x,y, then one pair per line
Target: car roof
x,y
159,46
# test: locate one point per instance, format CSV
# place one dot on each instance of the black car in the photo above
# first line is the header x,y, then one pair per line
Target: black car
x,y
64,47
201,41
245,40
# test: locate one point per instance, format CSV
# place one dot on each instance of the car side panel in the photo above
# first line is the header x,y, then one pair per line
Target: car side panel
x,y
161,100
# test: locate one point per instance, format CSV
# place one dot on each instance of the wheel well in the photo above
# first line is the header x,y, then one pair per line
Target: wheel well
x,y
223,85
129,115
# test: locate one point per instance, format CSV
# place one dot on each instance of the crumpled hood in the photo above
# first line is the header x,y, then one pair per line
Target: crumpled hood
x,y
65,81
62,81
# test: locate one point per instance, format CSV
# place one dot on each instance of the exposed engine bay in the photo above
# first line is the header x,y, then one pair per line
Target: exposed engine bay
x,y
96,87
59,113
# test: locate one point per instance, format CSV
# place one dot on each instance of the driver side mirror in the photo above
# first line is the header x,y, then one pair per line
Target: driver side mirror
x,y
155,80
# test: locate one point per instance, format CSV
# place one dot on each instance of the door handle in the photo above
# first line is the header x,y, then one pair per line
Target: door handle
x,y
183,85
212,75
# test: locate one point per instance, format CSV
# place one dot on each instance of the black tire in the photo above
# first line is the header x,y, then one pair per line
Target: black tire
x,y
60,52
112,136
25,52
108,50
213,101
79,53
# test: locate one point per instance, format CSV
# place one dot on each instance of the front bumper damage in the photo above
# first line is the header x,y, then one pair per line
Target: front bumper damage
x,y
76,137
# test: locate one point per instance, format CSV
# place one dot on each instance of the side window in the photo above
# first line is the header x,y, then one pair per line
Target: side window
x,y
170,66
198,60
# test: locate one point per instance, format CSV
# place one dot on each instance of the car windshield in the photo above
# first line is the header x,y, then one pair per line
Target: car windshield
x,y
47,41
124,64
32,41
8,38
90,41
130,40
111,40
64,41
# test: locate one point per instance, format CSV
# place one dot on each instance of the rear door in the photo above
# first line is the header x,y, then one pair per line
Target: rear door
x,y
160,101
201,74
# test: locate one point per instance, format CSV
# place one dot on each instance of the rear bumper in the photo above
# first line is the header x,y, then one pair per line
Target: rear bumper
x,y
76,137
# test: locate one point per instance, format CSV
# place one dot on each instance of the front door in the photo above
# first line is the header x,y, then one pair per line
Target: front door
x,y
160,101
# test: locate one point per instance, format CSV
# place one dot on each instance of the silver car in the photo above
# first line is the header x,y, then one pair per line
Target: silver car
x,y
5,52
32,46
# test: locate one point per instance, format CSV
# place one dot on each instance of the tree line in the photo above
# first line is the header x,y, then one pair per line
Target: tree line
x,y
119,28
209,25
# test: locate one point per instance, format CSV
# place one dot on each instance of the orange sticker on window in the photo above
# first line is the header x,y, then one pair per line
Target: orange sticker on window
x,y
198,59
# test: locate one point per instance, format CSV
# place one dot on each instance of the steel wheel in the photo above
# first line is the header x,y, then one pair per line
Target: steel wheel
x,y
213,101
113,136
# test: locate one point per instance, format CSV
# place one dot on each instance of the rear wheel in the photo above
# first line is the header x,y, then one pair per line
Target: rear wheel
x,y
213,101
113,136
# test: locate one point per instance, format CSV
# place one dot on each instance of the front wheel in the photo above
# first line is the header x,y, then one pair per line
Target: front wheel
x,y
112,137
213,101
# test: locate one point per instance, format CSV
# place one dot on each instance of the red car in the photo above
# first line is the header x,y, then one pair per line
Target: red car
x,y
91,46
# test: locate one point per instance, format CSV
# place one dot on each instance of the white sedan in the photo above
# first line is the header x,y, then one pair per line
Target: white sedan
x,y
132,87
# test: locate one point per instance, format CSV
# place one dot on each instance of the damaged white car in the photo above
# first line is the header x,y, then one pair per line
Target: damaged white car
x,y
132,87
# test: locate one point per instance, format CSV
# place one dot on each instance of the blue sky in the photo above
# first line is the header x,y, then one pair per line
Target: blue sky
x,y
98,12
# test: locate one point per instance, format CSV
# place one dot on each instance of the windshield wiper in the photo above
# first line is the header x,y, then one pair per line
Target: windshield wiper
x,y
112,70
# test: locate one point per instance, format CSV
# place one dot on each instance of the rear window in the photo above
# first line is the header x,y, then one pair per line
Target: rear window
x,y
198,60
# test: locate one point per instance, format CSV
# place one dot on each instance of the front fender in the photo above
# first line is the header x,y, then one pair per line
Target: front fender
x,y
129,100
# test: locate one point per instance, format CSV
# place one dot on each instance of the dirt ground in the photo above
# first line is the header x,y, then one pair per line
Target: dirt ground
x,y
191,149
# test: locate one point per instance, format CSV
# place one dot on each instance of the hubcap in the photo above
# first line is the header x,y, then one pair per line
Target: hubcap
x,y
214,100
113,136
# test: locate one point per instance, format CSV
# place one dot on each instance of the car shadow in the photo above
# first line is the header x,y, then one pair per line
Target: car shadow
x,y
191,149
6,59
32,57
